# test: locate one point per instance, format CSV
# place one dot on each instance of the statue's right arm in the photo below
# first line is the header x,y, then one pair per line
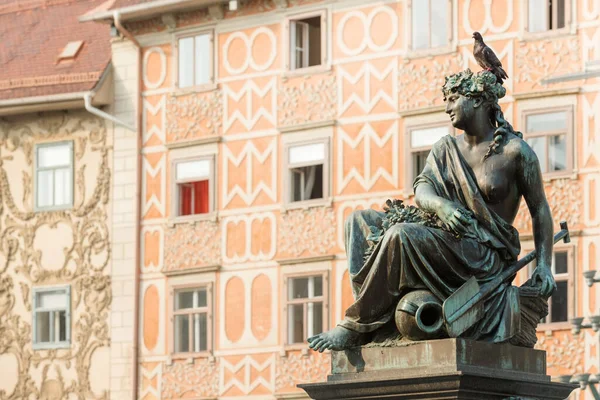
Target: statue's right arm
x,y
428,200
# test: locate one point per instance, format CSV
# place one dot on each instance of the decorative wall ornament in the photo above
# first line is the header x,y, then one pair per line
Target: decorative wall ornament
x,y
152,248
249,118
420,81
249,44
158,172
183,380
488,22
151,380
591,194
368,137
252,249
64,372
229,375
564,199
591,137
367,22
192,245
307,232
546,58
564,352
591,9
361,82
27,185
296,368
194,116
158,110
240,290
163,67
312,99
250,154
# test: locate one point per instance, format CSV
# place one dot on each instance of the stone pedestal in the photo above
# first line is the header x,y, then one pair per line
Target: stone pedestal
x,y
439,369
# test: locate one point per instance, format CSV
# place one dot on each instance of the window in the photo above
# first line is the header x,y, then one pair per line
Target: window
x,y
306,307
558,303
308,171
194,186
307,42
430,23
191,320
420,142
195,60
54,175
545,15
549,135
51,317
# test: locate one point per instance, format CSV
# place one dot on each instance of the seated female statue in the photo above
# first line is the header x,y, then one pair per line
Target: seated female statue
x,y
474,184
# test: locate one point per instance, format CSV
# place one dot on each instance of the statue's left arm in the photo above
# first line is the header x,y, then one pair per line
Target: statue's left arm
x,y
529,178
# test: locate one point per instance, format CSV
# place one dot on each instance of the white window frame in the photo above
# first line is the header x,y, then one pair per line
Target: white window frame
x,y
35,309
569,28
176,288
449,47
569,137
410,173
288,166
211,84
289,49
324,298
175,190
569,277
37,169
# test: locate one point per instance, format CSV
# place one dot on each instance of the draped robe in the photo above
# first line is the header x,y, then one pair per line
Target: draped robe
x,y
413,256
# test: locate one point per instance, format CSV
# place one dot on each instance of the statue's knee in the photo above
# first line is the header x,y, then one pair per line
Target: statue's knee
x,y
353,218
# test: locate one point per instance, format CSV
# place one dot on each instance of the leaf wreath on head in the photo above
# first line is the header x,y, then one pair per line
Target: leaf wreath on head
x,y
482,84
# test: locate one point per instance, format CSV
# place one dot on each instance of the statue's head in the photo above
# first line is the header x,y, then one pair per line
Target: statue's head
x,y
467,93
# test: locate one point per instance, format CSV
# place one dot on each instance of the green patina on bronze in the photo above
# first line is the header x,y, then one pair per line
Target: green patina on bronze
x,y
459,237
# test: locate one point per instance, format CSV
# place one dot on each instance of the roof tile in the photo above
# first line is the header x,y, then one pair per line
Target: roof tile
x,y
34,33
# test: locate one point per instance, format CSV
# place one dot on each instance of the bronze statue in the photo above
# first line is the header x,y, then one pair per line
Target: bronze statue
x,y
468,195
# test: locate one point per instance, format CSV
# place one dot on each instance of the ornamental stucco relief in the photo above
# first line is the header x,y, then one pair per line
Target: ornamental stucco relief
x,y
25,242
192,245
564,352
297,368
538,60
420,81
194,116
183,380
307,99
306,232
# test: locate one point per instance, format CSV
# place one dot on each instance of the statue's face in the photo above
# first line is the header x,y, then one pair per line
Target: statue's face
x,y
460,108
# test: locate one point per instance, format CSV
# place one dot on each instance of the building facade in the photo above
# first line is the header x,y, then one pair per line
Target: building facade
x,y
55,205
264,124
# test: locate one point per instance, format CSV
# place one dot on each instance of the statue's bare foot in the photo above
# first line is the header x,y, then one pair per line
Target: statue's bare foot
x,y
339,338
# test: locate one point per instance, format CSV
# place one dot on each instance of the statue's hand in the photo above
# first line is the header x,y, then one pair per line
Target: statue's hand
x,y
456,217
542,278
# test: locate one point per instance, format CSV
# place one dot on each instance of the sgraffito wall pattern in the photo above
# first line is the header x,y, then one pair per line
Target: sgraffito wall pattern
x,y
370,88
70,247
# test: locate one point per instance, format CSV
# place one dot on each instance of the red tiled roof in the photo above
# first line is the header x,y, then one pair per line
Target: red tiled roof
x,y
33,34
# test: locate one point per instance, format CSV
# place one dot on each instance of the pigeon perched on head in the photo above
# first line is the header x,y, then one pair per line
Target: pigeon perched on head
x,y
487,59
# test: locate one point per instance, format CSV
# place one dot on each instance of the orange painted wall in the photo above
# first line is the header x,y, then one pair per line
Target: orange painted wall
x,y
371,88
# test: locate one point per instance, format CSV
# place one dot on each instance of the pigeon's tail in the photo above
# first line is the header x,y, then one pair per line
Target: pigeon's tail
x,y
500,74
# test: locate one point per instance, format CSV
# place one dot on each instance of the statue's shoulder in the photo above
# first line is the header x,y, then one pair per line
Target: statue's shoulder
x,y
517,149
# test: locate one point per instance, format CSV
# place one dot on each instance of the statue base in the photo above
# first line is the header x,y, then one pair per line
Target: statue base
x,y
439,369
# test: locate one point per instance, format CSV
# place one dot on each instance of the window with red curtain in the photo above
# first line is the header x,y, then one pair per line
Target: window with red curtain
x,y
193,198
